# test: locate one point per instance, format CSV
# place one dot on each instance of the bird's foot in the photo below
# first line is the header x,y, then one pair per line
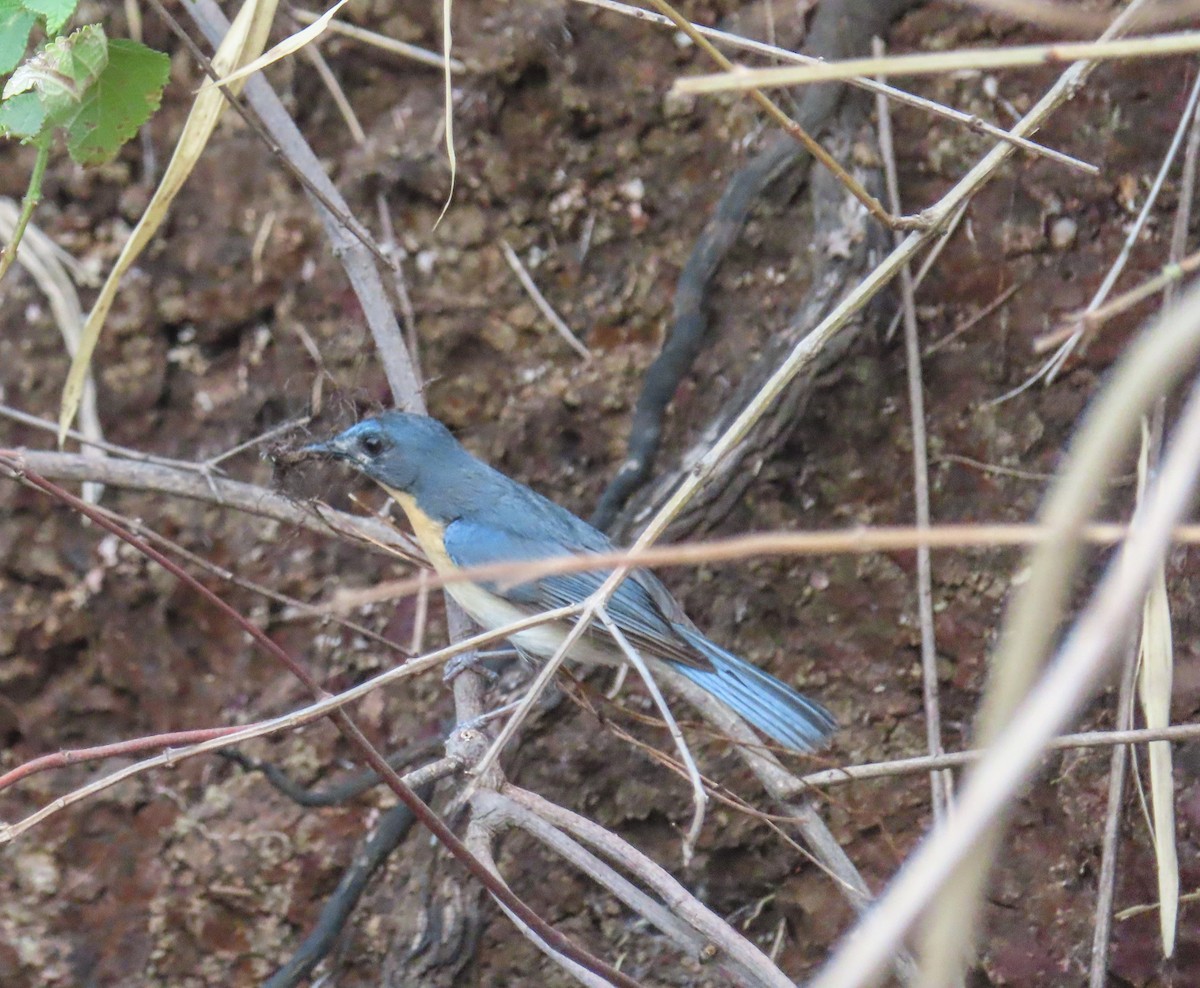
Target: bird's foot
x,y
468,662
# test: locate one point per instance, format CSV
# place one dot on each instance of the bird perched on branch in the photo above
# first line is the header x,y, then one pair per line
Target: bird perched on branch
x,y
465,514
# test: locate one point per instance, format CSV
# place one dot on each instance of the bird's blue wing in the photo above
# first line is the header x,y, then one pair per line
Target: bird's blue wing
x,y
645,612
635,606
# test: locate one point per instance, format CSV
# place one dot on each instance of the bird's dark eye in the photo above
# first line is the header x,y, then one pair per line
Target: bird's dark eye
x,y
371,444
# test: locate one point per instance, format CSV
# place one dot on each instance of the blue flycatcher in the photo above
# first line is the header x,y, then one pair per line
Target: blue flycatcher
x,y
464,514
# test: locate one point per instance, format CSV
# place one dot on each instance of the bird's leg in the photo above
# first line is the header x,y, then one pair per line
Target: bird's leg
x,y
474,661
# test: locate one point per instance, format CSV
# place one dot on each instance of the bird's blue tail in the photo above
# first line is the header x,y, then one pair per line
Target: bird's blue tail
x,y
758,697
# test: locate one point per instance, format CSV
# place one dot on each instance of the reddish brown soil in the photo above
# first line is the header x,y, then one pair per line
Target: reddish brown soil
x,y
202,875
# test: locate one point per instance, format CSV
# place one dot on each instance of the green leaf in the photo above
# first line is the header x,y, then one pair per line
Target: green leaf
x,y
55,13
22,116
118,103
15,24
63,72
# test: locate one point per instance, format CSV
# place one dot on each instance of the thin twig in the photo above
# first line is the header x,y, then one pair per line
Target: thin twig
x,y
344,106
683,904
739,78
784,787
584,613
939,782
383,42
1056,362
501,808
927,263
1183,209
45,425
399,282
117,749
263,437
539,300
1106,884
481,832
275,725
970,323
192,484
956,759
854,541
560,943
968,120
302,174
353,247
1090,532
1017,740
871,771
1166,281
1131,912
294,608
699,796
813,147
264,503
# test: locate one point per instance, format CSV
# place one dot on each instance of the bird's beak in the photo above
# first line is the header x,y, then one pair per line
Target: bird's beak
x,y
329,449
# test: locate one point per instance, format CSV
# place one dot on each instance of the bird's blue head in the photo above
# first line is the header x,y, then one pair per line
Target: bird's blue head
x,y
396,449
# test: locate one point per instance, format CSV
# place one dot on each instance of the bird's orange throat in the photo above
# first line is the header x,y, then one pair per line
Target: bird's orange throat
x,y
429,533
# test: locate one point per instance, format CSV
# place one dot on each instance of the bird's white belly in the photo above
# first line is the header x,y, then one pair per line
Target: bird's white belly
x,y
489,611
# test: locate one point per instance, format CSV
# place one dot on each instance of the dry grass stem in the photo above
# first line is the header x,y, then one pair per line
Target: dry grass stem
x,y
338,95
968,120
243,42
789,125
1106,882
856,541
961,849
422,56
939,782
939,63
53,270
1070,16
288,46
1156,664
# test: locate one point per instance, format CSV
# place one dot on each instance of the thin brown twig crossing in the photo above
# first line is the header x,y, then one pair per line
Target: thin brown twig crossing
x,y
940,783
969,120
354,735
811,145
